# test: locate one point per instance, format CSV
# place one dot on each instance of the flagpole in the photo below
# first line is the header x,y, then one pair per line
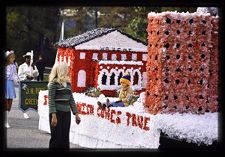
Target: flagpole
x,y
31,60
62,31
61,38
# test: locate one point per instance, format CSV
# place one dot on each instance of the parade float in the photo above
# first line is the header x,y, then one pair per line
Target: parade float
x,y
182,69
181,96
100,57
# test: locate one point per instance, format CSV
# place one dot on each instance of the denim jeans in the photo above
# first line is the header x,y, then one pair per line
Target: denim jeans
x,y
115,104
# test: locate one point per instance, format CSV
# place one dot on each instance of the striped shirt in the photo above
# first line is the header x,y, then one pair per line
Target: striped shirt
x,y
61,98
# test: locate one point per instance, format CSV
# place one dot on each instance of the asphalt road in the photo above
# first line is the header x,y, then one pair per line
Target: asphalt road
x,y
24,133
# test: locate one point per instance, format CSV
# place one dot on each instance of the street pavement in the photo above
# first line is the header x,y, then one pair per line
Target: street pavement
x,y
24,133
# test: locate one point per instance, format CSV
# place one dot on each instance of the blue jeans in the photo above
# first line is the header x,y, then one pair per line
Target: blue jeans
x,y
115,104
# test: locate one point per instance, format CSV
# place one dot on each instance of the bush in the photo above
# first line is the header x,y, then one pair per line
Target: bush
x,y
93,92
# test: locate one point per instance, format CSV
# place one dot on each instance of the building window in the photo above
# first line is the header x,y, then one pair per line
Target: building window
x,y
123,57
134,57
144,57
104,79
81,79
112,79
114,57
120,75
95,56
82,55
104,56
135,78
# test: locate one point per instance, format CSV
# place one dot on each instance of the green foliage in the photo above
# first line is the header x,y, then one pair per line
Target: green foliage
x,y
115,17
138,24
28,27
93,92
38,28
133,99
137,28
179,9
46,76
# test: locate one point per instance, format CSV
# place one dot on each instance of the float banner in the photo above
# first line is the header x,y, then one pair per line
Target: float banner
x,y
28,92
114,127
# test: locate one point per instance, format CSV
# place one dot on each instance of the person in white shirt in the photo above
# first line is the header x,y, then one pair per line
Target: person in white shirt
x,y
27,72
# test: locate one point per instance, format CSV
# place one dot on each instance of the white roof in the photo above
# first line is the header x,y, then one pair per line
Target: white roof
x,y
112,40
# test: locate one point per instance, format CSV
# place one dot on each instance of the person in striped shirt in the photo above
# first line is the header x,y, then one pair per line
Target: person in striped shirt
x,y
61,103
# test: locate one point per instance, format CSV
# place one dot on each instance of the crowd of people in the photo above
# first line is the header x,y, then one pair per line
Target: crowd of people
x,y
28,71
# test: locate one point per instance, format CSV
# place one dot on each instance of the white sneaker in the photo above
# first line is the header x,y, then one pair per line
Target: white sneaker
x,y
25,116
7,125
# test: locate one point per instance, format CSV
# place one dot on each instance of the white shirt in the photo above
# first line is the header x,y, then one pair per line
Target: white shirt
x,y
26,70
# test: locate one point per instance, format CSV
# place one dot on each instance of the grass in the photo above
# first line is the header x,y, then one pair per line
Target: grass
x,y
46,77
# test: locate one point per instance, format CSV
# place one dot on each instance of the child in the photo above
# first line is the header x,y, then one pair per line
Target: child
x,y
11,78
41,68
61,103
125,94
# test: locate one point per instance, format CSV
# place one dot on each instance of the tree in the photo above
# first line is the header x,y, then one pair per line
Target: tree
x,y
88,18
38,28
179,9
116,17
132,20
138,25
28,28
82,19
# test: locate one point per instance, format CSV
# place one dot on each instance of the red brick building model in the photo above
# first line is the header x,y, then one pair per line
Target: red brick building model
x,y
98,58
182,67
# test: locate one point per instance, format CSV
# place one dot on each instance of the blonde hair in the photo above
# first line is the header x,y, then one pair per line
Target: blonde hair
x,y
9,57
59,73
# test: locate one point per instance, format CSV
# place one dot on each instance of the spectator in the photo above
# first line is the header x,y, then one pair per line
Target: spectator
x,y
41,68
11,78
